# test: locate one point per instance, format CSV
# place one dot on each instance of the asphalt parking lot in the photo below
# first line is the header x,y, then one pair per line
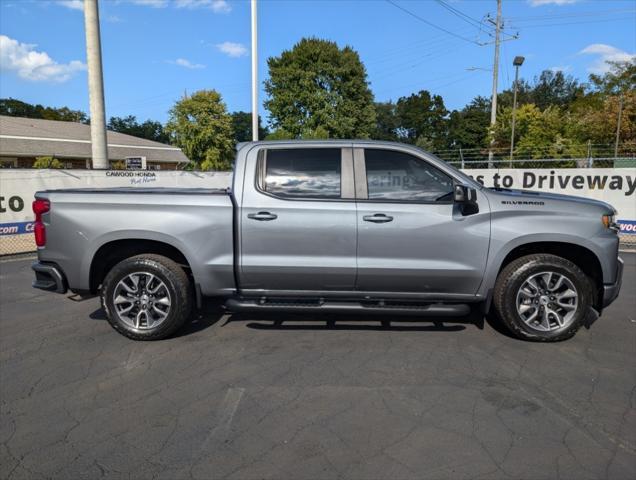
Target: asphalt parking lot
x,y
286,397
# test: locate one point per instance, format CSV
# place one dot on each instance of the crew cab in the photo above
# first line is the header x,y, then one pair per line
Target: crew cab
x,y
345,226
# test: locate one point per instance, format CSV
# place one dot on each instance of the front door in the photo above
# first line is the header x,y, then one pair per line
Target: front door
x,y
298,221
411,237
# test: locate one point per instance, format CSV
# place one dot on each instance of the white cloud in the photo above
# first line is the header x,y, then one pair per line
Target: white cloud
x,y
232,49
113,19
72,4
217,6
151,3
561,68
182,62
606,53
538,3
29,64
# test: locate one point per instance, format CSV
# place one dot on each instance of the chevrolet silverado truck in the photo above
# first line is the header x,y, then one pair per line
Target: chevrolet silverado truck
x,y
332,226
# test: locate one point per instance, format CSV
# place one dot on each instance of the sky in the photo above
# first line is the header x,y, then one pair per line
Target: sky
x,y
154,51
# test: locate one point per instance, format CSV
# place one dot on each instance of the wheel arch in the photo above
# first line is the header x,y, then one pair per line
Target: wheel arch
x,y
114,251
580,255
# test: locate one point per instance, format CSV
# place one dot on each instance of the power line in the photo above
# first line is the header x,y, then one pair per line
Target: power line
x,y
575,23
409,65
430,87
462,16
414,15
571,15
409,49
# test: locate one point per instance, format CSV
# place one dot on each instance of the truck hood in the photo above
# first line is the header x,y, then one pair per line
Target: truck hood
x,y
528,197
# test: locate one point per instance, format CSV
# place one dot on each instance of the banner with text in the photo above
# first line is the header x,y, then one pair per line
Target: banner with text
x,y
615,186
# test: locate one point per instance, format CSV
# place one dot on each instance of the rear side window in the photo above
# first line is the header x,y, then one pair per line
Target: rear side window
x,y
396,176
303,173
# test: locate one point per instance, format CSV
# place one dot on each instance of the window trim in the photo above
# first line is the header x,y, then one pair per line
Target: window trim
x,y
361,177
346,175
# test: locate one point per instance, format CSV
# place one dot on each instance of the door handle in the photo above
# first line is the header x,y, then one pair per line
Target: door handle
x,y
378,218
262,216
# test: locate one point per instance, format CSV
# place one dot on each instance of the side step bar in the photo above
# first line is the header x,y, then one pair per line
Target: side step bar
x,y
379,307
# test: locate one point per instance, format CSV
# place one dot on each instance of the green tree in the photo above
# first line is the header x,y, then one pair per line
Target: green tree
x,y
595,119
318,133
550,88
200,125
17,108
387,122
242,127
279,134
621,78
423,119
555,89
538,134
47,162
316,84
129,125
468,127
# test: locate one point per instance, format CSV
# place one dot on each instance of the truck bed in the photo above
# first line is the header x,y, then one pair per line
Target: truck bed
x,y
84,222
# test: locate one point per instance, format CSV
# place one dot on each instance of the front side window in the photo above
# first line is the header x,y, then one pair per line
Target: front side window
x,y
397,176
303,172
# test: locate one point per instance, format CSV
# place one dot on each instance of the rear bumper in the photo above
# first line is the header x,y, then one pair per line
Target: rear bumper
x,y
610,292
48,276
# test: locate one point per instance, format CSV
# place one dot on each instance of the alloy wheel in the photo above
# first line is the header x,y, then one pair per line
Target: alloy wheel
x,y
142,300
547,301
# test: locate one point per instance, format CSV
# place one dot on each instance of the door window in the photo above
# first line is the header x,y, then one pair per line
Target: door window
x,y
303,173
397,176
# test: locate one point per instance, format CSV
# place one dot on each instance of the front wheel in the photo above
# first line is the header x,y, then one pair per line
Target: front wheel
x,y
147,297
542,297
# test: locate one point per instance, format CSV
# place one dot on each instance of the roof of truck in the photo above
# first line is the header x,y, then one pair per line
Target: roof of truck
x,y
331,141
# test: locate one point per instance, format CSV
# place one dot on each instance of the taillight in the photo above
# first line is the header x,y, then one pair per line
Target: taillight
x,y
40,207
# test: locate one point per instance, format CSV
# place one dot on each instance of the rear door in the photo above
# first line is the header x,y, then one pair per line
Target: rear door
x,y
298,221
411,236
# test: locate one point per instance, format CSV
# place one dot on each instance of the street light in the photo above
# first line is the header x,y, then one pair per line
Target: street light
x,y
517,62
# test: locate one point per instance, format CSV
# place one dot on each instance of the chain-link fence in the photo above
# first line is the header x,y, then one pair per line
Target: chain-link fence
x,y
545,163
14,244
554,156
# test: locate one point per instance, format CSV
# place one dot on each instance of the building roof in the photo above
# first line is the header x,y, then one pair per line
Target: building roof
x,y
32,137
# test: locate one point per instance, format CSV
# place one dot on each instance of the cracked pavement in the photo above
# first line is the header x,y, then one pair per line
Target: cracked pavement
x,y
279,396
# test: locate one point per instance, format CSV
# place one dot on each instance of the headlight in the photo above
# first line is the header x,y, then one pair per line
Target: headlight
x,y
609,221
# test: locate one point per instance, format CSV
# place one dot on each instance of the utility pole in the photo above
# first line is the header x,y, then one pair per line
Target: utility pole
x,y
254,73
495,75
618,125
95,85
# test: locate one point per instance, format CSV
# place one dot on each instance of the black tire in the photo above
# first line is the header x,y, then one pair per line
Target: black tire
x,y
176,282
512,277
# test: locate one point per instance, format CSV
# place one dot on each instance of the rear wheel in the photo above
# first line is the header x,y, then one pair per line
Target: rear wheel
x,y
147,297
543,297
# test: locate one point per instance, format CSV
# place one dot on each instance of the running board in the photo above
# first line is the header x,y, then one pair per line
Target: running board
x,y
376,307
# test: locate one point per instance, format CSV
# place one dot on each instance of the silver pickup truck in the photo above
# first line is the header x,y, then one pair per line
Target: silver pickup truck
x,y
332,226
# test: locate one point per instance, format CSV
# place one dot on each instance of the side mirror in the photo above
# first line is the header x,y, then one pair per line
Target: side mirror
x,y
466,198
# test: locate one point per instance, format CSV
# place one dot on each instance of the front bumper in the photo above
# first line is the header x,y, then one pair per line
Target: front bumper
x,y
610,292
48,276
